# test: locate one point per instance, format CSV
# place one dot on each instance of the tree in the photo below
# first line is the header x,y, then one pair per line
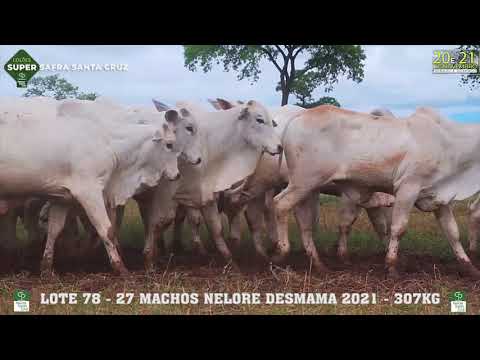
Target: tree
x,y
470,80
303,87
56,87
322,64
322,101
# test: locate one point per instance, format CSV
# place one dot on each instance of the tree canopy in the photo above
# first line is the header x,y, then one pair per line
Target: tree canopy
x,y
321,65
56,87
472,81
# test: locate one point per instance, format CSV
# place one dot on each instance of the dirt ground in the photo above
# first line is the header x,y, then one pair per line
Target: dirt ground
x,y
184,274
426,263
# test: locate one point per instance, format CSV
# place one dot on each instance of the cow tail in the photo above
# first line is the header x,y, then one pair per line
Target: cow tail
x,y
221,202
280,158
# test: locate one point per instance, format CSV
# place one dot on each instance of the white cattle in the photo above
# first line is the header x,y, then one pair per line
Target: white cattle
x,y
232,143
257,194
424,160
74,152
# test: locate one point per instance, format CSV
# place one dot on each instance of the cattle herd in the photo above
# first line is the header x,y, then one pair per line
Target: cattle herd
x,y
73,161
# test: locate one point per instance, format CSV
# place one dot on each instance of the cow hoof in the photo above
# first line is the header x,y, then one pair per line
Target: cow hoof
x,y
47,274
344,259
46,268
472,254
199,250
277,256
231,267
392,273
469,270
234,243
149,268
320,269
262,258
121,270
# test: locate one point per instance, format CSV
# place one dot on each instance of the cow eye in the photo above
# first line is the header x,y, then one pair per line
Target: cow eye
x,y
260,121
189,129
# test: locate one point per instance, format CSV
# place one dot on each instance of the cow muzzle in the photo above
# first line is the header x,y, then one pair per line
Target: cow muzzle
x,y
275,151
195,161
172,176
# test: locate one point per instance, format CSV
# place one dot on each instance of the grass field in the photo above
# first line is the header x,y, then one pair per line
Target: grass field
x,y
427,266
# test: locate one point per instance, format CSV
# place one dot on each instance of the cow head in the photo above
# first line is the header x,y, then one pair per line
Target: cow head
x,y
186,131
222,104
168,140
256,126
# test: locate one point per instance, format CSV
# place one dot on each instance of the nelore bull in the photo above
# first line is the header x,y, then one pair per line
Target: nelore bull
x,y
423,160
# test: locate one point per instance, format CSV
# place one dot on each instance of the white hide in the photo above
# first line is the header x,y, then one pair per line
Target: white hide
x,y
49,146
226,158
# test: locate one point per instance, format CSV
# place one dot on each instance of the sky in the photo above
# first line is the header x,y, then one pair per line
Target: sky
x,y
397,77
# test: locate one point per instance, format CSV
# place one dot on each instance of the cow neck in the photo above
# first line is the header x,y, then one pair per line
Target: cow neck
x,y
466,138
128,140
221,132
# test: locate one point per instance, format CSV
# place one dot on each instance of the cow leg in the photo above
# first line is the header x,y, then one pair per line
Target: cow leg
x,y
69,238
348,214
381,220
94,206
180,215
235,227
120,212
57,216
405,199
8,238
156,219
92,242
306,215
283,203
254,215
214,223
269,214
449,226
116,216
474,226
194,218
154,232
8,233
31,219
150,248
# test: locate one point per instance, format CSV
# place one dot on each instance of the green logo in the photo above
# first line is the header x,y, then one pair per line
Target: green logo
x,y
21,67
457,296
21,295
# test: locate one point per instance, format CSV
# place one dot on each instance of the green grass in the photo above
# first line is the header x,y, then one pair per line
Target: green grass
x,y
423,237
422,240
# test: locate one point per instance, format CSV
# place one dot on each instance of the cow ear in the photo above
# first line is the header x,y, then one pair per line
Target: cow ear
x,y
160,106
184,112
244,114
215,104
157,137
224,104
172,117
274,123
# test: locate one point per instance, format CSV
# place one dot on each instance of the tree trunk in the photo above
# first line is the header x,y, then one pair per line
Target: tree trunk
x,y
285,94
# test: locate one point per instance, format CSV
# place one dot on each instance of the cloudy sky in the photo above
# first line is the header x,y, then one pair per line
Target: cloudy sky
x,y
397,77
